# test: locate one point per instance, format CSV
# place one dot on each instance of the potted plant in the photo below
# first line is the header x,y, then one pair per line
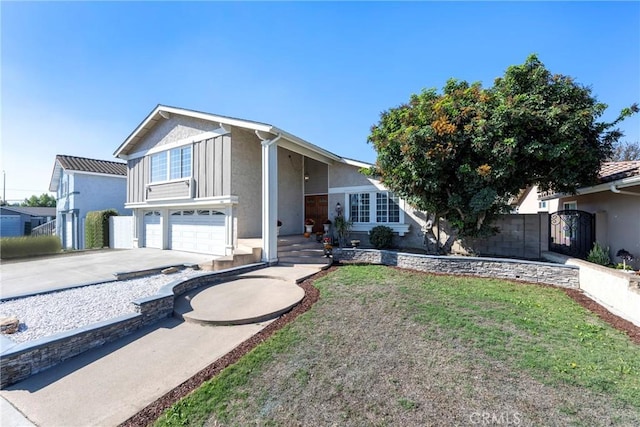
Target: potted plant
x,y
626,256
308,225
326,224
319,235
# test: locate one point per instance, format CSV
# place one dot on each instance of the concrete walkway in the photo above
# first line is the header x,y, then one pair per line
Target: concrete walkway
x,y
108,385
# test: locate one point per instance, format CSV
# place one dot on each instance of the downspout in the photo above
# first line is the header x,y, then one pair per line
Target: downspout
x,y
616,190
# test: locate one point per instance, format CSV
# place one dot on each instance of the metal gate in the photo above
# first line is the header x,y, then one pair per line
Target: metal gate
x,y
572,232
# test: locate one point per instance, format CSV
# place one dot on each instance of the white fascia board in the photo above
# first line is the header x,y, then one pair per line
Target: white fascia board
x,y
198,115
55,177
180,143
184,203
356,163
621,183
110,175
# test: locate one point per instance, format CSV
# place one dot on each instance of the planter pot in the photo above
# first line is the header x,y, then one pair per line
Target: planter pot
x,y
309,228
355,243
326,227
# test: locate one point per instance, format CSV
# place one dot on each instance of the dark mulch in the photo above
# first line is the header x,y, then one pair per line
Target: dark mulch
x,y
152,412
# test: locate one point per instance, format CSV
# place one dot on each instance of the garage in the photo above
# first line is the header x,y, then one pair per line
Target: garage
x,y
153,229
200,231
10,225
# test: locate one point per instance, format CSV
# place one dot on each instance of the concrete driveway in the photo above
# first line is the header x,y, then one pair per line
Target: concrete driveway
x,y
22,277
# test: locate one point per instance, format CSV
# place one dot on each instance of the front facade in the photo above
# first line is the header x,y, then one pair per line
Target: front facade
x,y
615,202
199,182
84,185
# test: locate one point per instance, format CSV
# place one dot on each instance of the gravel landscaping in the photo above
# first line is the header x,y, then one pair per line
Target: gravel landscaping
x,y
48,314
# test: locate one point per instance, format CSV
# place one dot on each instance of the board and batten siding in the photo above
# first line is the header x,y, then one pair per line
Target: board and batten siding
x,y
211,172
212,167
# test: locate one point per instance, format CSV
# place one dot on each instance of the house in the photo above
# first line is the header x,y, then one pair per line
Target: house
x,y
19,221
199,182
614,204
84,185
527,202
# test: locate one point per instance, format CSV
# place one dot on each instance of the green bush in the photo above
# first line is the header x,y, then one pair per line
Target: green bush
x,y
96,228
381,236
599,255
27,246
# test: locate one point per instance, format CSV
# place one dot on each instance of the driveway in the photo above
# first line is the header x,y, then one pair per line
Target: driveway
x,y
22,277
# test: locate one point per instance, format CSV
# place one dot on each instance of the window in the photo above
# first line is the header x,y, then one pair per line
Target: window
x,y
387,207
359,208
180,162
172,164
383,206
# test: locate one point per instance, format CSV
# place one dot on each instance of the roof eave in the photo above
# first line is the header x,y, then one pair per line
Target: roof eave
x,y
620,183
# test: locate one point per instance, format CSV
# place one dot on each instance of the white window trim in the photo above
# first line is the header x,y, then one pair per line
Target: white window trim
x,y
165,181
570,203
399,227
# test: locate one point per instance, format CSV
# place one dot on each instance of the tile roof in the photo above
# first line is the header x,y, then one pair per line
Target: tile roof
x,y
83,164
613,171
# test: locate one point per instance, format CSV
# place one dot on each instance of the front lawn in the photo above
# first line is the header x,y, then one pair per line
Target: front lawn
x,y
391,347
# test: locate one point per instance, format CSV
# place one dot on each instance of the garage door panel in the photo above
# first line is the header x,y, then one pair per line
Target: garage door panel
x,y
153,230
197,232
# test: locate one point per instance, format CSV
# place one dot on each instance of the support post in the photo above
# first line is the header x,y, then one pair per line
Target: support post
x,y
270,200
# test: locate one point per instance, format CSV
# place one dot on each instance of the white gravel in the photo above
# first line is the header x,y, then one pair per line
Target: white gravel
x,y
48,314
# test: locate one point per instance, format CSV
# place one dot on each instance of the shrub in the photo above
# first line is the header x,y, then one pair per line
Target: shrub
x,y
599,255
96,228
26,246
381,236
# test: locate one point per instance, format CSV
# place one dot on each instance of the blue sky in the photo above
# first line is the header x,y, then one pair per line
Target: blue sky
x,y
78,77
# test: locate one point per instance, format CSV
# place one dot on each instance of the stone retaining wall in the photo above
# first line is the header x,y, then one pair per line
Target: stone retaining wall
x,y
510,269
19,361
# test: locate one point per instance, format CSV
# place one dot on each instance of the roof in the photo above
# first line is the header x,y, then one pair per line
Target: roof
x,y
613,171
163,112
33,211
84,165
612,174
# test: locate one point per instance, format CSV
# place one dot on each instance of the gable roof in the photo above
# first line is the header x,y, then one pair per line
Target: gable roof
x,y
162,112
84,165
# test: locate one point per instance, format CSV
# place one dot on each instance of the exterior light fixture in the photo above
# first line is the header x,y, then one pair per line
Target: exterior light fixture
x,y
306,177
338,209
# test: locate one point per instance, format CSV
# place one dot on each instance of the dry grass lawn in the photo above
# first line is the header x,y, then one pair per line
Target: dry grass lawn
x,y
384,347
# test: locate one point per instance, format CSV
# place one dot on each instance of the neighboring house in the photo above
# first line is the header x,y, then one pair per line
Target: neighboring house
x,y
615,202
83,185
199,182
528,202
19,221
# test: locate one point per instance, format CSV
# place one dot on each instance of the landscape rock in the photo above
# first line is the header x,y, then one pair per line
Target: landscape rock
x,y
9,325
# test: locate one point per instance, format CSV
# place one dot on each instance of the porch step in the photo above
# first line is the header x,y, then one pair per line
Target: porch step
x,y
298,249
242,256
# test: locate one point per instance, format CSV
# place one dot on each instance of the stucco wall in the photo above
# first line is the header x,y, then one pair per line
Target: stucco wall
x,y
174,129
318,172
246,181
621,223
343,175
290,198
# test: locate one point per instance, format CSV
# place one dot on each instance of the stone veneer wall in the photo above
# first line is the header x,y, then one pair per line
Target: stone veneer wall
x,y
510,269
19,361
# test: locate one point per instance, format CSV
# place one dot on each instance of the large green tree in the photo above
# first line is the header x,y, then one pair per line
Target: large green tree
x,y
44,200
463,153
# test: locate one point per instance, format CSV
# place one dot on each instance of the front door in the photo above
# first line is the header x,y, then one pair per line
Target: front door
x,y
317,208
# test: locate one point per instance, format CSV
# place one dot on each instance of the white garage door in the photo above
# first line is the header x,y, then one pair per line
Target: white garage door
x,y
199,231
152,230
